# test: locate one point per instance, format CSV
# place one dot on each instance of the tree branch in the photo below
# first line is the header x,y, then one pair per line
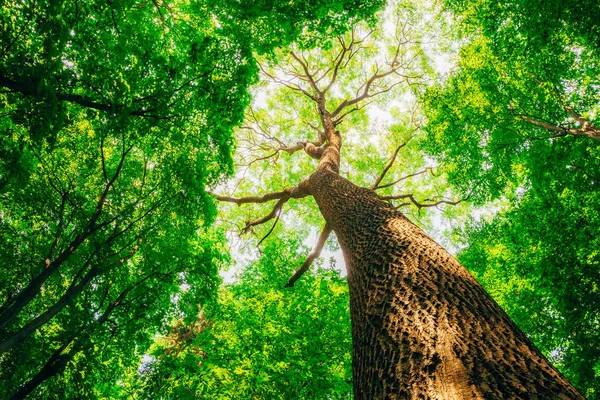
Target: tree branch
x,y
85,101
375,185
253,199
270,230
339,60
64,300
32,289
275,211
418,204
311,257
282,197
586,128
287,84
308,75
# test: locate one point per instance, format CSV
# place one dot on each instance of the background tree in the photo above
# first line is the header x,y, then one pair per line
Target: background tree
x,y
517,119
114,118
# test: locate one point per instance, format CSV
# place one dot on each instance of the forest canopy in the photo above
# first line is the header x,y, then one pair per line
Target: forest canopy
x,y
137,139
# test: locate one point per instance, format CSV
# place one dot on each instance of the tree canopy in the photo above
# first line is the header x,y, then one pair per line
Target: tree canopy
x,y
118,117
516,120
115,116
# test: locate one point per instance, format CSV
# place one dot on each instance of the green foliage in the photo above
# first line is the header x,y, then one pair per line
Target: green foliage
x,y
261,341
505,122
115,116
523,67
268,24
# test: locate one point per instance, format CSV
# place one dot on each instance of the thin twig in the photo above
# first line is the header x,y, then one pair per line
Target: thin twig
x,y
389,165
405,178
270,230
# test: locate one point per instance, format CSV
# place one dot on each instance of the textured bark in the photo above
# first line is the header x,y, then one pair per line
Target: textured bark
x,y
422,327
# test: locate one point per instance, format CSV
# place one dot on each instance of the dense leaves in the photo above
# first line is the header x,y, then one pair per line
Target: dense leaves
x,y
525,76
516,120
260,340
115,116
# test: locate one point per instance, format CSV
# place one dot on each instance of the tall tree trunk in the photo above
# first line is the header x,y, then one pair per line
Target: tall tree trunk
x,y
53,366
422,327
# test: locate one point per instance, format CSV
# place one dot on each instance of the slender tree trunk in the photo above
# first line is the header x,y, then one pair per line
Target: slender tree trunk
x,y
19,336
422,327
58,361
53,366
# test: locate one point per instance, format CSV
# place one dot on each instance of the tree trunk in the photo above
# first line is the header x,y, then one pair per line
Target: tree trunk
x,y
422,327
53,366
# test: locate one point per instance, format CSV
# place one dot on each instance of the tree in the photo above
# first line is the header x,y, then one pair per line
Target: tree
x,y
115,117
421,325
517,119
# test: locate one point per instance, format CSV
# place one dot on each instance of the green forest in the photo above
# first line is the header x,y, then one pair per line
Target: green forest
x,y
235,199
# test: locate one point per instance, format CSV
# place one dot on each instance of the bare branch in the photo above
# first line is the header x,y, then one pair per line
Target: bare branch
x,y
307,74
347,50
418,204
287,84
311,257
275,211
253,199
282,197
560,131
586,128
389,165
428,169
270,230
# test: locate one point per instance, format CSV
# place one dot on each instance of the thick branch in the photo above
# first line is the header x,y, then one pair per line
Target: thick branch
x,y
311,257
586,127
253,199
282,197
313,149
